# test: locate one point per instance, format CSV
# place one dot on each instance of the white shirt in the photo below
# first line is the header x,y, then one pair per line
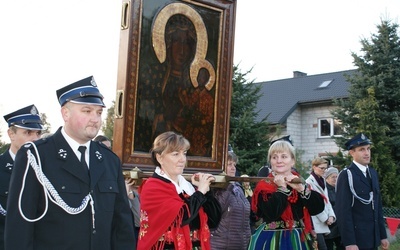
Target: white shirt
x,y
11,154
75,145
362,168
182,185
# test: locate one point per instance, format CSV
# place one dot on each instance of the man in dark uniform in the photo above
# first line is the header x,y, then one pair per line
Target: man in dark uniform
x,y
358,200
23,125
60,200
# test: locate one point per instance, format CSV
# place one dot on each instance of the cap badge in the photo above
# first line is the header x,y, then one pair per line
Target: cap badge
x,y
93,82
363,136
34,111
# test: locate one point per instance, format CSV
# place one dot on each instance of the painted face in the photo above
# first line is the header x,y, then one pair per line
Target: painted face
x,y
230,168
181,48
281,162
20,136
361,154
320,169
82,122
172,163
331,179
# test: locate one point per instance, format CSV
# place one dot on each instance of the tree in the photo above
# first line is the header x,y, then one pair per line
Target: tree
x,y
2,144
248,137
372,105
46,124
108,124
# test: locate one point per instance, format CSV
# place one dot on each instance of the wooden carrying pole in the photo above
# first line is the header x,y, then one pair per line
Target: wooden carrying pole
x,y
221,180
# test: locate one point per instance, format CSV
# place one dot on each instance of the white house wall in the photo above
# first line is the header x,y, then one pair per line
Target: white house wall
x,y
302,125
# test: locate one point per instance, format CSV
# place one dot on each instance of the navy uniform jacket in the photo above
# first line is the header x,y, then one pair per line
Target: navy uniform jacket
x,y
6,166
359,224
59,229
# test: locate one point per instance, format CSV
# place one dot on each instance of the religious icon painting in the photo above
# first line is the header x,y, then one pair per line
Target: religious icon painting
x,y
175,74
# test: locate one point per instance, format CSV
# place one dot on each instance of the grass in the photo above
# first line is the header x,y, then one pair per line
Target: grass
x,y
394,241
395,245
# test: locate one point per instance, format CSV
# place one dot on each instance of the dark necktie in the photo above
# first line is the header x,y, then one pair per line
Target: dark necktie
x,y
82,149
368,176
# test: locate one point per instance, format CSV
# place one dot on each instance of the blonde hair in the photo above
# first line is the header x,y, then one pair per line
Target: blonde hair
x,y
318,161
168,142
280,147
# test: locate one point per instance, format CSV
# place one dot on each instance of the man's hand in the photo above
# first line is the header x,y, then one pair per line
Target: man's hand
x,y
352,247
385,244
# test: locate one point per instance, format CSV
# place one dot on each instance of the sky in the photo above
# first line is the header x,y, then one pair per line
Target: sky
x,y
48,44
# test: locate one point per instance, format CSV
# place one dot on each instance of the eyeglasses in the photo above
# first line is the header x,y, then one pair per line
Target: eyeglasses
x,y
322,168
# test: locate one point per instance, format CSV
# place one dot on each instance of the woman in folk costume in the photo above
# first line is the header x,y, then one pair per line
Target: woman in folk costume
x,y
323,220
175,214
284,204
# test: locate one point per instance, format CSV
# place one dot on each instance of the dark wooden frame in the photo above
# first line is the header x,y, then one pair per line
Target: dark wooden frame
x,y
134,23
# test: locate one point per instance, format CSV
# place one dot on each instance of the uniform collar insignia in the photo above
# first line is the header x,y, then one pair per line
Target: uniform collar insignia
x,y
99,155
62,153
9,165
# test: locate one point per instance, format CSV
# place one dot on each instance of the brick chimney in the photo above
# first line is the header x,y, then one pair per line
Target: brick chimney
x,y
298,74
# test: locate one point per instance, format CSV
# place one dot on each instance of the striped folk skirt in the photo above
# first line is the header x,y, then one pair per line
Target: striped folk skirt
x,y
280,239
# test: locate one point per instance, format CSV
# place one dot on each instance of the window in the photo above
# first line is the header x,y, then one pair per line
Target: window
x,y
325,84
328,127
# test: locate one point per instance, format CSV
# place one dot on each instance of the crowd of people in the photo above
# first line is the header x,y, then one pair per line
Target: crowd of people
x,y
67,191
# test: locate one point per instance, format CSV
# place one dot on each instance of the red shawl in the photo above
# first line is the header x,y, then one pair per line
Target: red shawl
x,y
161,211
266,187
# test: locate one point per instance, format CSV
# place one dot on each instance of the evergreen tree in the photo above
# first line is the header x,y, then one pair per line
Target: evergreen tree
x,y
248,137
373,105
2,144
108,124
46,124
